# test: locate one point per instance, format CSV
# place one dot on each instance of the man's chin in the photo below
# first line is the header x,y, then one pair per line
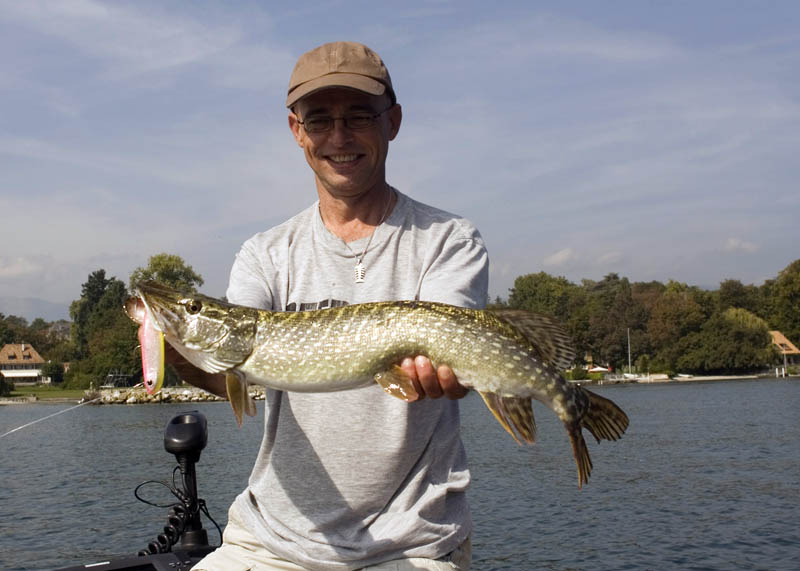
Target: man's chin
x,y
345,186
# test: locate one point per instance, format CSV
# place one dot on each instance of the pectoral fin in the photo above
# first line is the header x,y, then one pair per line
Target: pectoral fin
x,y
513,411
397,383
238,396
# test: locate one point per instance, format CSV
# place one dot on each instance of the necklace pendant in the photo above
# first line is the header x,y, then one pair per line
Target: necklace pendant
x,y
360,272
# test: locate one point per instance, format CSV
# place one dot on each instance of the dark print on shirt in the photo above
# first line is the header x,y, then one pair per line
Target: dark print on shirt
x,y
324,304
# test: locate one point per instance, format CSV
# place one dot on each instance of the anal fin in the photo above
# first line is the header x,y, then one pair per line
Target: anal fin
x,y
397,383
513,412
238,396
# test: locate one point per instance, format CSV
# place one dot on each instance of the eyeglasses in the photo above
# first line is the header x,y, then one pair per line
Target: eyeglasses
x,y
354,121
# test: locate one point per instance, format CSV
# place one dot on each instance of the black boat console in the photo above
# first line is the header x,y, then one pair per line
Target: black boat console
x,y
185,436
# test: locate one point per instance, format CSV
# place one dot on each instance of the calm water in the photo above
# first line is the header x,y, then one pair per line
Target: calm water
x,y
708,477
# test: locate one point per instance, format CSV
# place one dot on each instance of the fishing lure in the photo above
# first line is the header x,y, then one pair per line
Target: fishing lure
x,y
152,342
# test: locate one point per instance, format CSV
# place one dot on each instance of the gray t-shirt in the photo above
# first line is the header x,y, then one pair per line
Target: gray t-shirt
x,y
353,478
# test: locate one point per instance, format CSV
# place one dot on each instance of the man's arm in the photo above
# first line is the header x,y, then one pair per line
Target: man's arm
x,y
213,383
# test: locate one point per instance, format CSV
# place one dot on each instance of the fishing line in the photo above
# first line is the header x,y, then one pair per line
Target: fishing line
x,y
48,416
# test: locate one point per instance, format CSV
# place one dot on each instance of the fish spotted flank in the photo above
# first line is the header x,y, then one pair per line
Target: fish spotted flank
x,y
508,356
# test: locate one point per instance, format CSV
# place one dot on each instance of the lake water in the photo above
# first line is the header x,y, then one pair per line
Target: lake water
x,y
707,477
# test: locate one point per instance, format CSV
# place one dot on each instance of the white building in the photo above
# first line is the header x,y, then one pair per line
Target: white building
x,y
20,363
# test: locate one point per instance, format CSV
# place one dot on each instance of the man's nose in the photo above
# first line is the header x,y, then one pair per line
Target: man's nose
x,y
340,130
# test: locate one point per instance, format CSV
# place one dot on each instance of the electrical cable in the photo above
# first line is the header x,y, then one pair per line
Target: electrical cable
x,y
178,516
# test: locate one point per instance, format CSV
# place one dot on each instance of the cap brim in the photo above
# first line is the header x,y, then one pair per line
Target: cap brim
x,y
348,80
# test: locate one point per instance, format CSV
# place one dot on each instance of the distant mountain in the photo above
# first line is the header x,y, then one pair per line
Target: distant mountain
x,y
32,307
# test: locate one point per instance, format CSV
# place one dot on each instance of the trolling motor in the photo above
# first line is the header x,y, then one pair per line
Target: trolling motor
x,y
185,437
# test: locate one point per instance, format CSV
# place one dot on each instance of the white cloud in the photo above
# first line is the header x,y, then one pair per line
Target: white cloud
x,y
609,258
561,258
737,245
17,267
137,127
136,40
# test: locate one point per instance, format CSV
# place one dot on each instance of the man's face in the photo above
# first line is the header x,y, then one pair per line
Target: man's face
x,y
347,163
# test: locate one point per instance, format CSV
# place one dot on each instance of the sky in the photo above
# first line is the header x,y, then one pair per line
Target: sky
x,y
656,140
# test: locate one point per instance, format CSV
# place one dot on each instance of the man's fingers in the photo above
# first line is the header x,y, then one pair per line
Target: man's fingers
x,y
449,383
432,383
427,377
410,369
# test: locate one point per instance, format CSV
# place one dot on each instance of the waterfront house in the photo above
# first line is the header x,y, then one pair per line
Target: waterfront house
x,y
20,363
786,348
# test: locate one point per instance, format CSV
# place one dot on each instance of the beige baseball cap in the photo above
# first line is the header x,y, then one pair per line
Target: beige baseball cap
x,y
339,64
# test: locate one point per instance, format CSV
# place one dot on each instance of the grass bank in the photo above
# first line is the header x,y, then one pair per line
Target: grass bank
x,y
43,392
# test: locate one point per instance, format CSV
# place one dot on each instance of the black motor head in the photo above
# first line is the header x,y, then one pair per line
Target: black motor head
x,y
186,434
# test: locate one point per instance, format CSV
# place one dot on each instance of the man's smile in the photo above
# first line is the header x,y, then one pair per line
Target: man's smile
x,y
343,158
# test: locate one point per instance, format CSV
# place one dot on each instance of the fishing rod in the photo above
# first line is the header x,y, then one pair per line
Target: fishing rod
x,y
12,431
38,420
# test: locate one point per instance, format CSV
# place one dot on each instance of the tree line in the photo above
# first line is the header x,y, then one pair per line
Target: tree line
x,y
673,327
100,339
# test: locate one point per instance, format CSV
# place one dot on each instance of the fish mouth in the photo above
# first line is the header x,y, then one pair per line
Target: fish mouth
x,y
135,309
159,303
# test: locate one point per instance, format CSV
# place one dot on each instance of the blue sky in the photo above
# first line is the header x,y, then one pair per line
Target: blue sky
x,y
658,140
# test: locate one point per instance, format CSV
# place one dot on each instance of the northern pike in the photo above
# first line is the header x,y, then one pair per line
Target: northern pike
x,y
508,356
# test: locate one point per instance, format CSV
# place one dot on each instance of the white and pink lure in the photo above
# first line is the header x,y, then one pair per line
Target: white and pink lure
x,y
152,343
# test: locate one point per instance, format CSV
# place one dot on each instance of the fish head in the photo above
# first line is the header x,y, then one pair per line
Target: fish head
x,y
210,333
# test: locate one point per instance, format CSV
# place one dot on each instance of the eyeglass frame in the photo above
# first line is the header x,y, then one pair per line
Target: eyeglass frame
x,y
344,118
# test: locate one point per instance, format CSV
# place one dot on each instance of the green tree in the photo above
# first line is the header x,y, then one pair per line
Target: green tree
x,y
612,313
6,334
732,293
542,293
784,301
106,335
53,370
13,329
5,386
556,297
735,340
676,314
81,309
169,270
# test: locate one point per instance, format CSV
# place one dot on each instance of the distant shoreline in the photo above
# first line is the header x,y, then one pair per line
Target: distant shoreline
x,y
663,379
193,394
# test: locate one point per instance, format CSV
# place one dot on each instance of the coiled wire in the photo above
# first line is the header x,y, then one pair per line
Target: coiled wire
x,y
178,516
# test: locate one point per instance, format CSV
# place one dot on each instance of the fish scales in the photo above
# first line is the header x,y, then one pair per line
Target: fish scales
x,y
507,356
349,344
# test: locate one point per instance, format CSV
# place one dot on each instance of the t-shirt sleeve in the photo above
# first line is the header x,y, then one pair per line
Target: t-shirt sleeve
x,y
459,274
248,284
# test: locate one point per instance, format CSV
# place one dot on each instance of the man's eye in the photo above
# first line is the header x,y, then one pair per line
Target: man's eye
x,y
318,122
362,120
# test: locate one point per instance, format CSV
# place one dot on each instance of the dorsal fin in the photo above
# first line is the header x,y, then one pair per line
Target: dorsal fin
x,y
545,333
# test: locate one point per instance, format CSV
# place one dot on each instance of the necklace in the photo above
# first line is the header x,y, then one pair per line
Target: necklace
x,y
359,271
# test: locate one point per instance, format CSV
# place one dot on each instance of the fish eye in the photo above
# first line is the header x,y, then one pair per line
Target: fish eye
x,y
193,306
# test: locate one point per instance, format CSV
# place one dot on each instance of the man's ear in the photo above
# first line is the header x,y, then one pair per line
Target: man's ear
x,y
395,118
294,125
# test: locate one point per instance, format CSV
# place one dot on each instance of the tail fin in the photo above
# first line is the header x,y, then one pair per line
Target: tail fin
x,y
580,452
604,419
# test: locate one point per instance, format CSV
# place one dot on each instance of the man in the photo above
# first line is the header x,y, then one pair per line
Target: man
x,y
354,479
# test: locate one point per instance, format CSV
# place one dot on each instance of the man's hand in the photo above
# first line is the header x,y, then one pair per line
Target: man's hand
x,y
434,384
192,375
